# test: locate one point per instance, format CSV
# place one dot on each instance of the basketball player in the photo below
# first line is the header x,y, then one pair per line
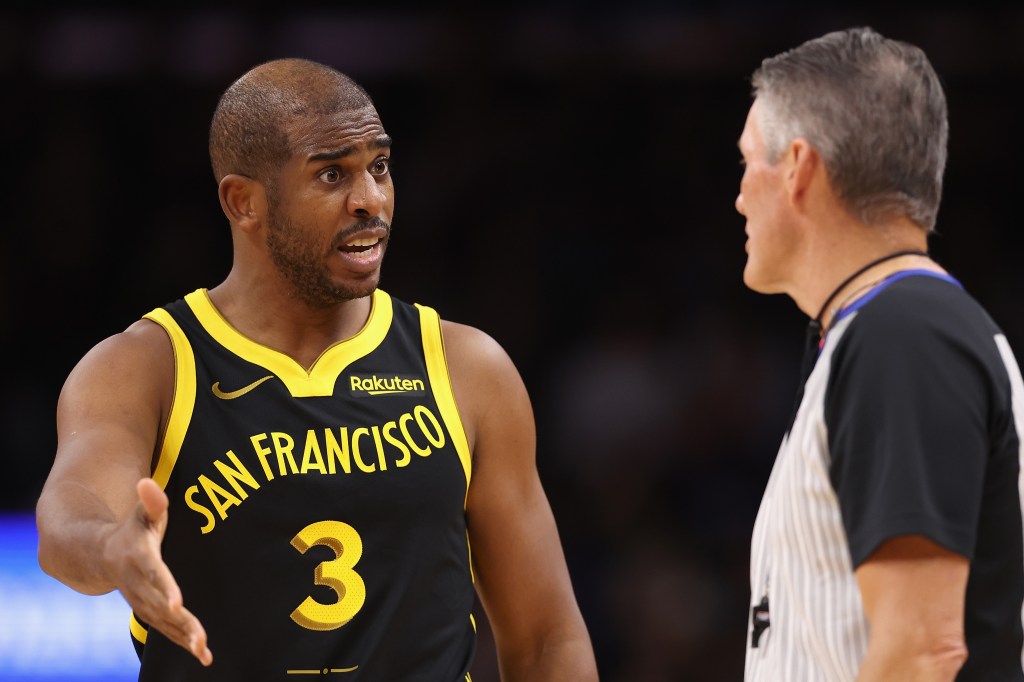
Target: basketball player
x,y
888,545
293,473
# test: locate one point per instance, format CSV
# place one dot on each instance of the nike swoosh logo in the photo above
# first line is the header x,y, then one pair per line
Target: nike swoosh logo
x,y
231,395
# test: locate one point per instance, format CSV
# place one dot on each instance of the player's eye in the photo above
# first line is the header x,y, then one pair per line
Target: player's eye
x,y
380,166
330,175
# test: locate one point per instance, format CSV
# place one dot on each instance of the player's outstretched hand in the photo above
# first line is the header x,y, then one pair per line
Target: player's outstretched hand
x,y
133,557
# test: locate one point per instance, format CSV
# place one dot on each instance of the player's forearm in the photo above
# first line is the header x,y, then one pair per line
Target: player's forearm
x,y
571,659
73,527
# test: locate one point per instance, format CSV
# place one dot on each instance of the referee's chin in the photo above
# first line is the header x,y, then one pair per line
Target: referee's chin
x,y
756,281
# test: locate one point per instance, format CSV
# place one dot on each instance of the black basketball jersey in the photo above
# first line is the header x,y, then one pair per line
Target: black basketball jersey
x,y
317,518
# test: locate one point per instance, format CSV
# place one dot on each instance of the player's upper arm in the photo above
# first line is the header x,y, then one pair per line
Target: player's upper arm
x,y
521,575
490,393
110,414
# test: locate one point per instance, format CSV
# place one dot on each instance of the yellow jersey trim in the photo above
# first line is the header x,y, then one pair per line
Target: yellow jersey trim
x,y
183,401
444,396
138,632
319,380
441,385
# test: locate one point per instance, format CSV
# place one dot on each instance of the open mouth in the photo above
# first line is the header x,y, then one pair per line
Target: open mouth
x,y
360,246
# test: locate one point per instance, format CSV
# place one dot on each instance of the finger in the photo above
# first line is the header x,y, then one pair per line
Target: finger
x,y
198,644
159,589
146,574
184,629
153,586
177,624
154,500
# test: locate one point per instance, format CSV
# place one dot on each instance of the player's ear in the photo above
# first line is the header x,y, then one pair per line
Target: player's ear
x,y
243,201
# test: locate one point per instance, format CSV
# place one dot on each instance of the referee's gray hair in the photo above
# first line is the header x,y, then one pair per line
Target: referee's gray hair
x,y
874,109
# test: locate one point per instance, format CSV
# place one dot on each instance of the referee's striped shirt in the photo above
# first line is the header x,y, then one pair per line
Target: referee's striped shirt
x,y
909,424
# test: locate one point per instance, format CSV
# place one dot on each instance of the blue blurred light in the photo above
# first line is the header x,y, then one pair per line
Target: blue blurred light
x,y
49,632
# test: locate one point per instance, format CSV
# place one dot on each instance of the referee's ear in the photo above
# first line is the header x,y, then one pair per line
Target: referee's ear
x,y
803,173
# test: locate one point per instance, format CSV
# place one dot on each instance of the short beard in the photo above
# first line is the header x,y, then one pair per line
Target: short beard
x,y
302,263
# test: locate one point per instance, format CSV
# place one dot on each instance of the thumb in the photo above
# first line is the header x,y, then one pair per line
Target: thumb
x,y
154,503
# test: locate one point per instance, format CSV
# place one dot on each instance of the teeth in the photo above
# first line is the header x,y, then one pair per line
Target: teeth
x,y
362,242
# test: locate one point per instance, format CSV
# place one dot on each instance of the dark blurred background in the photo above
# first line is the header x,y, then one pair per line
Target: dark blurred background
x,y
565,176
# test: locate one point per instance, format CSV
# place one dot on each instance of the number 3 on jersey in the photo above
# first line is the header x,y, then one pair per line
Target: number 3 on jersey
x,y
336,574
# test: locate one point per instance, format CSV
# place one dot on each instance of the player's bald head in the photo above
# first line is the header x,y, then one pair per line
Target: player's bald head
x,y
249,130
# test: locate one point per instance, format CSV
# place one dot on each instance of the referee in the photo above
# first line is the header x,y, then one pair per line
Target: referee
x,y
888,544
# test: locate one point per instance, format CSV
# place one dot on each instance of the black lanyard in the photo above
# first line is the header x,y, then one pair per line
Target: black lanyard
x,y
815,329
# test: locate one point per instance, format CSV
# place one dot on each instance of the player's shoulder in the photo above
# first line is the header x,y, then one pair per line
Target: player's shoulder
x,y
140,350
144,338
475,359
468,344
486,382
463,343
478,363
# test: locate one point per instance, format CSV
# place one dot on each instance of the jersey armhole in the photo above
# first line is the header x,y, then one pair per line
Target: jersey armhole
x,y
441,385
183,400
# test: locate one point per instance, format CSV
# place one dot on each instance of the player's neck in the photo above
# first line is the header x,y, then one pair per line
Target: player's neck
x,y
275,319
